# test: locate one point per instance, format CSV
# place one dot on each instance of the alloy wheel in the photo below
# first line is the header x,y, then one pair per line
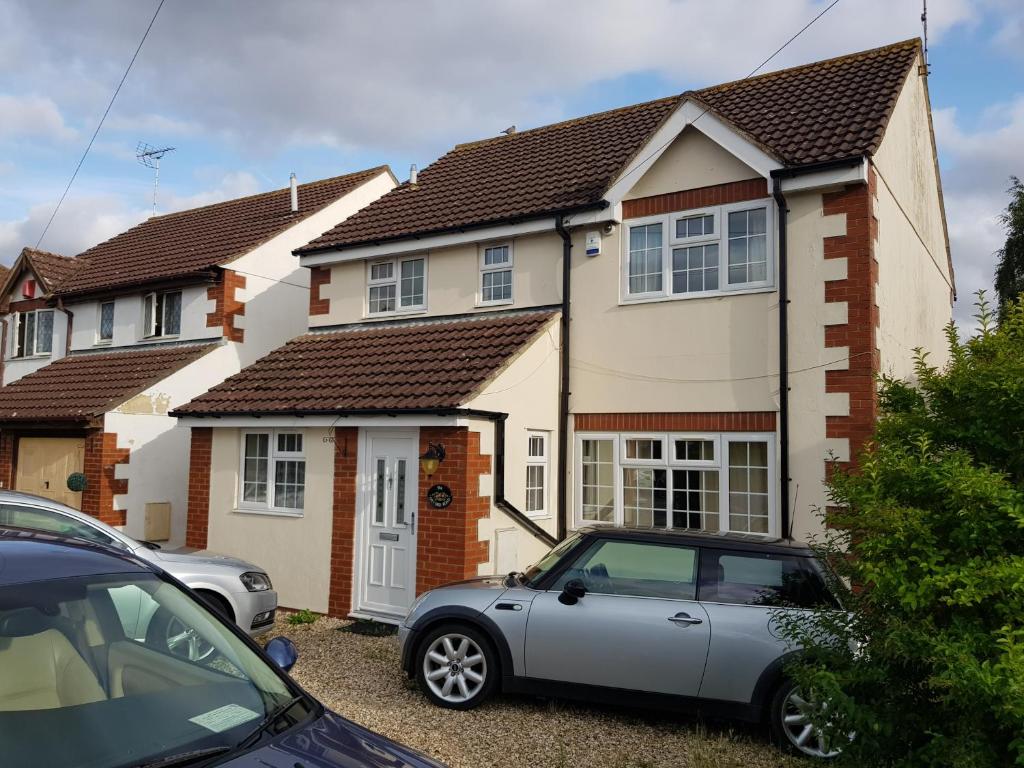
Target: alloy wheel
x,y
186,642
799,728
454,668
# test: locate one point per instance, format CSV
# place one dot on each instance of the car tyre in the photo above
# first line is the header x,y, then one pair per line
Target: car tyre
x,y
791,728
456,666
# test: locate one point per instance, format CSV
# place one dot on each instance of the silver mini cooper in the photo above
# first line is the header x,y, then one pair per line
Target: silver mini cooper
x,y
681,620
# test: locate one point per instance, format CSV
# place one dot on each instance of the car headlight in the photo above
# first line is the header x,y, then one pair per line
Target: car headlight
x,y
255,581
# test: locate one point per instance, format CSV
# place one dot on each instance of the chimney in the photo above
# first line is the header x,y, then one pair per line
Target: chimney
x,y
293,182
413,176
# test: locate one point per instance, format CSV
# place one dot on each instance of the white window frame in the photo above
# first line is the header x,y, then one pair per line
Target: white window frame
x,y
538,461
721,463
485,269
273,455
16,351
395,280
100,341
149,324
669,242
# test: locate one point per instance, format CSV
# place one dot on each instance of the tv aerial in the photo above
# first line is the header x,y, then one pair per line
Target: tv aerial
x,y
150,157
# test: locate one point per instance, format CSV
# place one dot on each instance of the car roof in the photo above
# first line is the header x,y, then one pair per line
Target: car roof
x,y
27,556
749,542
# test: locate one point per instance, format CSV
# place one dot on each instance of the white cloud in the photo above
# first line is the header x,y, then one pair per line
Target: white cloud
x,y
32,116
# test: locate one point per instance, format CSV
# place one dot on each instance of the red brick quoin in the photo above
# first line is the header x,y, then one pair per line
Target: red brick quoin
x,y
227,305
101,459
198,516
7,443
343,527
857,246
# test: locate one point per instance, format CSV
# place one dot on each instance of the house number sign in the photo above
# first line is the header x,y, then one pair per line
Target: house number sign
x,y
439,496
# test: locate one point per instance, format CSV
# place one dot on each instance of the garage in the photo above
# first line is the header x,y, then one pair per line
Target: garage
x,y
44,464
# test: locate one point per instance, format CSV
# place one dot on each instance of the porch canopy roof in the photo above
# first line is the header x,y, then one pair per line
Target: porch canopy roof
x,y
82,387
406,366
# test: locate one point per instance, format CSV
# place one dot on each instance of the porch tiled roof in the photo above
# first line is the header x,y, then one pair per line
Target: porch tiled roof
x,y
191,242
81,387
829,110
404,366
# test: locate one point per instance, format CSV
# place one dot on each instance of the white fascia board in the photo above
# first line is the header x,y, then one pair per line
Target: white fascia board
x,y
833,177
428,242
327,421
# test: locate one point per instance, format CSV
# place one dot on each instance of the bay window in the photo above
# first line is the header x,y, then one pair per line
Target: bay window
x,y
396,285
273,472
709,251
33,333
162,314
714,482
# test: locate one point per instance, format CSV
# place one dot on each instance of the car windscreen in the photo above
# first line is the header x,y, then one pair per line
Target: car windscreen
x,y
111,671
538,570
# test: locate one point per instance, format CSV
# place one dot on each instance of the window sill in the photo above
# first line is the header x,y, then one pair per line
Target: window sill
x,y
168,337
397,313
651,299
103,343
267,512
44,356
502,303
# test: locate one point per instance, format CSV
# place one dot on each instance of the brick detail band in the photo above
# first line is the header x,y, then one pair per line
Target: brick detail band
x,y
859,333
343,525
739,421
719,194
101,459
197,520
227,306
319,277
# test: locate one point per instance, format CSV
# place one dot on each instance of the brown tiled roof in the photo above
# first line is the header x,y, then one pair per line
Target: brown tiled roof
x,y
52,268
406,366
84,386
190,242
829,110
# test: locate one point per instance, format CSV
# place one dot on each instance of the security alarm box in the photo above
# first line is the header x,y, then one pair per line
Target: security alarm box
x,y
593,243
28,289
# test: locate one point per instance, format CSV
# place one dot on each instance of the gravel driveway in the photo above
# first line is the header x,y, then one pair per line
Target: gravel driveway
x,y
360,678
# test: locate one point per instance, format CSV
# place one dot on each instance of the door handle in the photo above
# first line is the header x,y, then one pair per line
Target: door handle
x,y
684,618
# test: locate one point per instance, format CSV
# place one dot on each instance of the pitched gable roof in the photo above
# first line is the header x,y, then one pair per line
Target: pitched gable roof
x,y
402,367
191,242
829,110
52,268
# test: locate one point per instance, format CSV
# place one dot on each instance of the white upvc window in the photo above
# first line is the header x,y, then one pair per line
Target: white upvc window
x,y
105,322
496,274
536,473
33,334
396,285
707,482
161,314
701,252
272,477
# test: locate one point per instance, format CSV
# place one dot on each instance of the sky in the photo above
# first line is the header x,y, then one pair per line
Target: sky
x,y
247,91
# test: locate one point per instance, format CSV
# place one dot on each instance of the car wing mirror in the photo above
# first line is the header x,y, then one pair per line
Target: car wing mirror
x,y
572,592
282,652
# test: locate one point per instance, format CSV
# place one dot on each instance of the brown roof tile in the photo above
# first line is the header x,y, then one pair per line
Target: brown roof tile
x,y
50,267
406,366
190,242
84,386
824,111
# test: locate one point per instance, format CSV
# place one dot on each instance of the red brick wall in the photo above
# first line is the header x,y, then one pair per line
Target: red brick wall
x,y
101,459
857,246
226,305
318,277
343,526
740,421
719,194
7,446
448,548
197,516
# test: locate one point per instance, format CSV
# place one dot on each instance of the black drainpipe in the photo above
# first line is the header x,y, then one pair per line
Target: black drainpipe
x,y
563,388
780,203
499,485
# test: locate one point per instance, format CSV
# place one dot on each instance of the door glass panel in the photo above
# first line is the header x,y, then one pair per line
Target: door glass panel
x,y
636,569
379,491
400,493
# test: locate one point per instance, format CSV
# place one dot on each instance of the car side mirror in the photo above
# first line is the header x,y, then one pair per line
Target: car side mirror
x,y
282,652
572,592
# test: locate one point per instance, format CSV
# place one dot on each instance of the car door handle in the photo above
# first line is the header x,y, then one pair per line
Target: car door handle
x,y
684,618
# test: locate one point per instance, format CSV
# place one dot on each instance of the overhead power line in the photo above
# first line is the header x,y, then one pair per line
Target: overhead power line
x,y
100,124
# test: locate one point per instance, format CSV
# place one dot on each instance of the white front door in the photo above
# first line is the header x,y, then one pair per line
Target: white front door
x,y
387,582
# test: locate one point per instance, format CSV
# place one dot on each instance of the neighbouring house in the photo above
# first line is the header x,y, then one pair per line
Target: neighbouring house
x,y
99,348
667,315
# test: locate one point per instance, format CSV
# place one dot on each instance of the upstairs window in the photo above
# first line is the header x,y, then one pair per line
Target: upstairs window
x,y
496,274
105,326
397,285
162,314
33,333
710,251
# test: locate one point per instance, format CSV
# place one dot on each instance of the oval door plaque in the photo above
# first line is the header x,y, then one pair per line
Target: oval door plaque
x,y
439,496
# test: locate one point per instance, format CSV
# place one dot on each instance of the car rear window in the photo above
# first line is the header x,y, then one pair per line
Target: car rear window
x,y
757,578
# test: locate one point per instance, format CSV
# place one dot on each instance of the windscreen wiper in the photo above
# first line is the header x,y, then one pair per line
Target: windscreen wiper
x,y
272,717
185,758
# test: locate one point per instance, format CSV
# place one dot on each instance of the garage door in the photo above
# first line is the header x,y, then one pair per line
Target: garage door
x,y
44,464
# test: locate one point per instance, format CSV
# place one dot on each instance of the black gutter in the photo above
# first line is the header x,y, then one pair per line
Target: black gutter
x,y
825,165
780,203
469,412
563,386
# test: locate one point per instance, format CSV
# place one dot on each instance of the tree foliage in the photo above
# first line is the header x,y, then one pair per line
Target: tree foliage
x,y
927,666
1010,270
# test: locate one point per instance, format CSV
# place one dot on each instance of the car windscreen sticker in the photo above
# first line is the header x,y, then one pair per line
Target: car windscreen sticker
x,y
223,718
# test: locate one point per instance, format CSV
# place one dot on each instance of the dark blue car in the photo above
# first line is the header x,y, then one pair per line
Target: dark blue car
x,y
83,684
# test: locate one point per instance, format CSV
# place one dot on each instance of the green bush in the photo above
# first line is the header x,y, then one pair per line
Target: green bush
x,y
304,616
928,668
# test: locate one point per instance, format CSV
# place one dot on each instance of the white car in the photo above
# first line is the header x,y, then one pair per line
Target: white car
x,y
240,591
